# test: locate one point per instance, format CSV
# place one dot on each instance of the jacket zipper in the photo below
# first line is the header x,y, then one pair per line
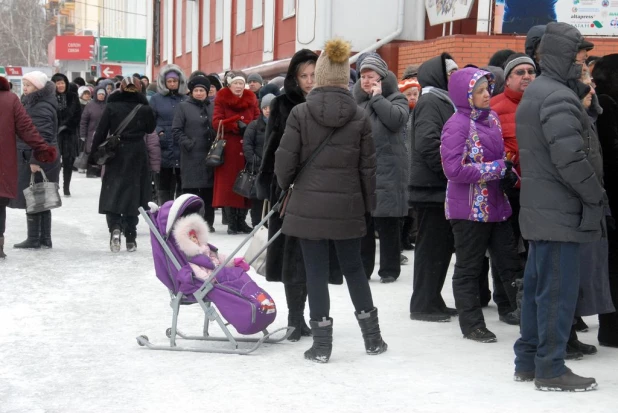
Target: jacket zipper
x,y
470,195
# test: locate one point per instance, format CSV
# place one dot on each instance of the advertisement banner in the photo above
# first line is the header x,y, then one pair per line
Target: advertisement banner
x,y
73,47
591,17
444,11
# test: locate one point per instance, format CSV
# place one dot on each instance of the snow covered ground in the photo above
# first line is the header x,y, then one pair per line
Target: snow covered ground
x,y
69,317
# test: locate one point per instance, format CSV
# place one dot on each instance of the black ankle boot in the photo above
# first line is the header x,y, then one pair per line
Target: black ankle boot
x,y
322,346
34,231
241,221
574,345
370,328
130,242
296,321
46,241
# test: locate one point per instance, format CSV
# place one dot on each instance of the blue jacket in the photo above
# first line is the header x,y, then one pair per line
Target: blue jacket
x,y
164,107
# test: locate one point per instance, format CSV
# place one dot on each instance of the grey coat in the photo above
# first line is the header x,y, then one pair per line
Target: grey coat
x,y
337,189
192,131
41,107
91,115
562,196
388,113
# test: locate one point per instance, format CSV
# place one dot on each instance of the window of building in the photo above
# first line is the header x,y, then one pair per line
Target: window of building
x,y
206,22
258,13
241,11
218,20
178,28
289,8
189,26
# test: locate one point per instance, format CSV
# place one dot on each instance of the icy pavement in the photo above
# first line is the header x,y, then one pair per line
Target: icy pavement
x,y
69,318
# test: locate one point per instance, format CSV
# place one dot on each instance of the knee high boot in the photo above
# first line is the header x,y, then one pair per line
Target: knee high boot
x,y
46,241
232,220
370,327
34,231
296,295
241,223
322,346
67,173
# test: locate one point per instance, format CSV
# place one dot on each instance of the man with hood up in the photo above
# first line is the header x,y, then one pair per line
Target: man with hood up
x,y
172,89
434,239
562,205
533,40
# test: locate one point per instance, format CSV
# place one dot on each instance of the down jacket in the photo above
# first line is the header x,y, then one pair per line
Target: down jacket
x,y
192,129
505,105
389,114
433,109
253,143
337,188
473,155
561,193
90,118
164,104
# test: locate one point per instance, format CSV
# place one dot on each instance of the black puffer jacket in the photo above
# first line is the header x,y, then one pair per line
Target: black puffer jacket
x,y
192,130
69,115
253,143
338,187
562,195
433,109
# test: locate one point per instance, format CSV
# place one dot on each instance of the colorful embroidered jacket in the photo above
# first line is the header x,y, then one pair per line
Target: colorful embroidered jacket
x,y
472,152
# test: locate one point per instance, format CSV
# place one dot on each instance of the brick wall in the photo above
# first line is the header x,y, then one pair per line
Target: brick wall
x,y
477,49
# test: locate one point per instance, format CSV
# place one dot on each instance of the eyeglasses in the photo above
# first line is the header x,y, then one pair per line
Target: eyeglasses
x,y
580,62
521,72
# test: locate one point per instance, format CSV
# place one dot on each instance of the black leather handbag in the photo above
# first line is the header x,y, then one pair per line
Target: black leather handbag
x,y
215,154
107,150
245,182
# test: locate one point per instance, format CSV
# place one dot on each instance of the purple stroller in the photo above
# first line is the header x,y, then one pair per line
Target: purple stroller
x,y
241,302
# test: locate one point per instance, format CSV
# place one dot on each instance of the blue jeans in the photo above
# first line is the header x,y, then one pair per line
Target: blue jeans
x,y
551,287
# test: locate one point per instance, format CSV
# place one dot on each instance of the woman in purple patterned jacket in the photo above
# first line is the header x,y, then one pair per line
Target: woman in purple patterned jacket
x,y
472,153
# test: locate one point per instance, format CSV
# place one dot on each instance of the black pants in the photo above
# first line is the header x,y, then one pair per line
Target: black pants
x,y
316,257
67,170
206,195
408,227
256,211
3,203
472,240
432,256
389,233
126,223
169,181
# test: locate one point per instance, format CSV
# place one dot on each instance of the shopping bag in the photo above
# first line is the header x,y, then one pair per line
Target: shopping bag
x,y
259,241
42,196
82,161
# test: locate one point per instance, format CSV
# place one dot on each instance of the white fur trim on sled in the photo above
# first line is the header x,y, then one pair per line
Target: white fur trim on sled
x,y
181,234
153,207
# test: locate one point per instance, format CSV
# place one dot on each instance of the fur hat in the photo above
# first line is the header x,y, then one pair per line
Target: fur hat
x,y
266,100
184,227
374,62
333,65
199,81
38,79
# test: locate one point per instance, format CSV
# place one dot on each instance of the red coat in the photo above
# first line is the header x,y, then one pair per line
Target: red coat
x,y
16,122
505,105
229,109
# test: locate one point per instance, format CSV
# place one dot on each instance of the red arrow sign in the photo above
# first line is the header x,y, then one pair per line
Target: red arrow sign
x,y
111,70
14,71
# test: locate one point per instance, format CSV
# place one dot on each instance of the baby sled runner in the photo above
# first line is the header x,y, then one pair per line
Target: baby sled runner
x,y
248,308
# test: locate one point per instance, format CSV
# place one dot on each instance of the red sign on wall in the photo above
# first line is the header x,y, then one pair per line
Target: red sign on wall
x,y
73,47
111,70
14,71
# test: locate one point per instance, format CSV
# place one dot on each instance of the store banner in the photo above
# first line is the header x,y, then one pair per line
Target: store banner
x,y
444,11
591,17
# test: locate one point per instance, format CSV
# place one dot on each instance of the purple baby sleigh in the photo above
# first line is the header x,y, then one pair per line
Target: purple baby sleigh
x,y
247,307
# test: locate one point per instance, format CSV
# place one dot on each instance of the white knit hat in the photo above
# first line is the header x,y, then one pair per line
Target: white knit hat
x,y
38,79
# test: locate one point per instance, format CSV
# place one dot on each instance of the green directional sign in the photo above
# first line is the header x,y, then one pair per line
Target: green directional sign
x,y
2,70
125,50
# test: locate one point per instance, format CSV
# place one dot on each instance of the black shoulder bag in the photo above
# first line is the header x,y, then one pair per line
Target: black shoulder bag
x,y
284,199
107,150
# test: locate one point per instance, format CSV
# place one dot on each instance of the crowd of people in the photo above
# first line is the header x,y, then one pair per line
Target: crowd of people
x,y
511,167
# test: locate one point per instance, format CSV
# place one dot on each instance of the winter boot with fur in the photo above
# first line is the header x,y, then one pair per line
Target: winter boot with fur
x,y
114,239
34,232
370,328
46,241
322,346
241,223
2,254
569,381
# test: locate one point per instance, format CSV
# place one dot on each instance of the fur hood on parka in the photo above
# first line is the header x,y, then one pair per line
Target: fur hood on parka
x,y
183,89
47,94
181,230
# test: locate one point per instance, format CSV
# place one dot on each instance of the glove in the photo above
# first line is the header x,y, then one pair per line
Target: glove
x,y
47,155
611,222
242,127
240,262
509,181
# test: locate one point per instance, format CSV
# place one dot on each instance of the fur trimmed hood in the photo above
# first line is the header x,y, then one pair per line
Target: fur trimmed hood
x,y
47,94
183,89
290,85
4,84
181,231
226,97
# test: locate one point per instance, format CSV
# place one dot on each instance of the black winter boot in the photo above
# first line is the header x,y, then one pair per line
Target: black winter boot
x,y
322,346
575,344
241,223
232,221
370,328
296,296
67,173
34,231
46,241
130,241
2,254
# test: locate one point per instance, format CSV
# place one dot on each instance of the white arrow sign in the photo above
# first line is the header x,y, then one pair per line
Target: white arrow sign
x,y
107,72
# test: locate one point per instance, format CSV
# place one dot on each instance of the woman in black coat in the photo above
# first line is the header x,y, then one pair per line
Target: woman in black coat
x,y
192,129
284,259
69,115
126,182
40,104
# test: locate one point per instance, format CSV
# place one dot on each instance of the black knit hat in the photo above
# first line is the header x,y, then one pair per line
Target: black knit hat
x,y
199,81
